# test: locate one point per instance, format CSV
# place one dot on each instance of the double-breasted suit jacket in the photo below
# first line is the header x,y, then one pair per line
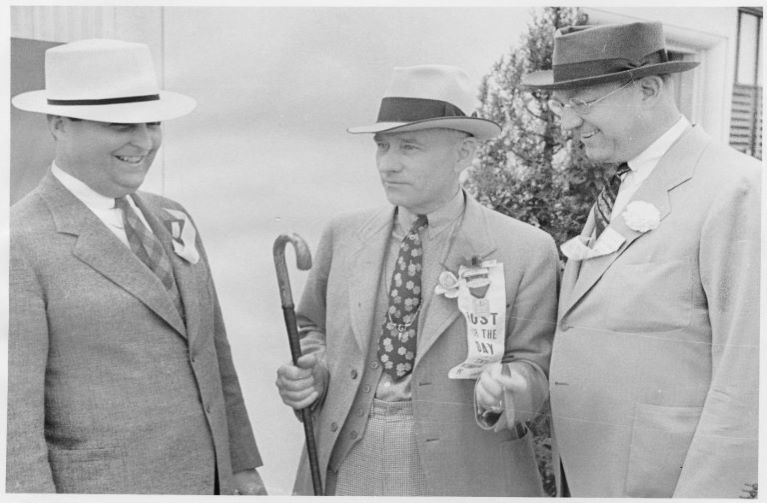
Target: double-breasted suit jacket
x,y
654,370
336,319
110,391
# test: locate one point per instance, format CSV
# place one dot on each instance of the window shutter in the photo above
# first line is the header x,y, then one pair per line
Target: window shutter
x,y
746,121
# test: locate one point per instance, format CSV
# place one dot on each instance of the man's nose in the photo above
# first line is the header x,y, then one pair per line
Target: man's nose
x,y
388,162
569,119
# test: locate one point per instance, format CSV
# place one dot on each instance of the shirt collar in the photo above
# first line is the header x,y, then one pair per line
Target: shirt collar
x,y
439,219
81,191
656,150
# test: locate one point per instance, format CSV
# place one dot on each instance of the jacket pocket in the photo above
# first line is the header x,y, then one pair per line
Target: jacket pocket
x,y
87,470
660,439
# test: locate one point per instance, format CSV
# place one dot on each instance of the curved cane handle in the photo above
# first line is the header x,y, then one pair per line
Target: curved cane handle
x,y
303,262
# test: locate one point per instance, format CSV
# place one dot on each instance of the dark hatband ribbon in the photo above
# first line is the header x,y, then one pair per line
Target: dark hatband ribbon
x,y
415,109
107,101
583,69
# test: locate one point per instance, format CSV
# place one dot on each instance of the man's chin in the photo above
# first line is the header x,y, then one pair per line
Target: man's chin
x,y
596,155
394,197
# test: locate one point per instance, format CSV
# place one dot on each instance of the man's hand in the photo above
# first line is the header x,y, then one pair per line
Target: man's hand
x,y
249,482
496,387
300,386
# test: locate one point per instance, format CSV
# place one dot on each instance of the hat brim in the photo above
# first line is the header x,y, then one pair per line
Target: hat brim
x,y
482,129
169,106
545,79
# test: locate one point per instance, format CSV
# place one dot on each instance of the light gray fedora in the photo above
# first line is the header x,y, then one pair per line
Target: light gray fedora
x,y
429,96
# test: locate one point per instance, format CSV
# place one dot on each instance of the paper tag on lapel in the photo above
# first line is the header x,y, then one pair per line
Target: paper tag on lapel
x,y
609,241
482,301
183,244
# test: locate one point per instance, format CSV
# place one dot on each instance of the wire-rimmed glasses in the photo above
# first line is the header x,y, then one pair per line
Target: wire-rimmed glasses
x,y
579,106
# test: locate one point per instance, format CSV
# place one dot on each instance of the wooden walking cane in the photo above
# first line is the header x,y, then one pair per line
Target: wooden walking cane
x,y
304,262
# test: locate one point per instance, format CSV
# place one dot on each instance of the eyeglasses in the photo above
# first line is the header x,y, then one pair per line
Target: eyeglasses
x,y
579,106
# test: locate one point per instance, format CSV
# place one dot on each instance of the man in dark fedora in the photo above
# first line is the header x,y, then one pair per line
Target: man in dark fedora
x,y
411,397
654,371
120,376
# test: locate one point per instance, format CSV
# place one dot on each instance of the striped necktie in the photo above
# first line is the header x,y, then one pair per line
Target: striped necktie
x,y
397,344
149,250
606,198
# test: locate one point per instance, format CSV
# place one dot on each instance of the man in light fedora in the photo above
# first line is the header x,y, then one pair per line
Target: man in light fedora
x,y
382,326
120,376
654,371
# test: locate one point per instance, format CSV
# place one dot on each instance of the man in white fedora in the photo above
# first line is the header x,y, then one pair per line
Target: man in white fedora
x,y
120,376
426,324
654,371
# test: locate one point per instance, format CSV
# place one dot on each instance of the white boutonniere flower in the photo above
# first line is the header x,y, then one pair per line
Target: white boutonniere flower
x,y
641,216
183,235
447,284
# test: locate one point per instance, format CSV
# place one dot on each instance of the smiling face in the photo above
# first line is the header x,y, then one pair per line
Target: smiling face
x,y
612,130
420,170
111,158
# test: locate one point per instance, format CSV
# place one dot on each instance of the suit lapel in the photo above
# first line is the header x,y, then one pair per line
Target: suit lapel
x,y
472,238
675,167
365,274
186,279
99,248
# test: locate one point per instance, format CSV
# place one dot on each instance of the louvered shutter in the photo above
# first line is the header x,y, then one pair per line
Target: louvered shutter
x,y
746,121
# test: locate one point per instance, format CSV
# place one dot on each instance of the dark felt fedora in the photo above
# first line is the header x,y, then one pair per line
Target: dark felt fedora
x,y
591,55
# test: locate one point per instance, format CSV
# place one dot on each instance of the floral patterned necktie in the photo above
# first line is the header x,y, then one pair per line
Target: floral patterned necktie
x,y
149,250
397,344
606,199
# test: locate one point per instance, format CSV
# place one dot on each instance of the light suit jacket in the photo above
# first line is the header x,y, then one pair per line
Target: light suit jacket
x,y
654,371
336,318
109,391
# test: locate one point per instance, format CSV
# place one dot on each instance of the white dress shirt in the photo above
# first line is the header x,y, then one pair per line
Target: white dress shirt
x,y
642,165
103,207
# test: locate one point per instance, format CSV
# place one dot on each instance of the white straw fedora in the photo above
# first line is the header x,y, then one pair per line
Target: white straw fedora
x,y
429,96
103,80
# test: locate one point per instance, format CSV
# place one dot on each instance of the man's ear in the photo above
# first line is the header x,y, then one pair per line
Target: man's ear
x,y
651,87
466,150
57,125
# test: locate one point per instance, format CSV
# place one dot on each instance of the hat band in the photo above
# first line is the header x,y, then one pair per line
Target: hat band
x,y
600,67
415,109
106,101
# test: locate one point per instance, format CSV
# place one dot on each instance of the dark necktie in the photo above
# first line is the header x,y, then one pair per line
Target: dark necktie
x,y
397,344
606,198
148,249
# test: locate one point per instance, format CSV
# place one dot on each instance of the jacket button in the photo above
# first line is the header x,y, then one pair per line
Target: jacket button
x,y
207,408
374,364
366,388
333,427
353,435
354,373
360,412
